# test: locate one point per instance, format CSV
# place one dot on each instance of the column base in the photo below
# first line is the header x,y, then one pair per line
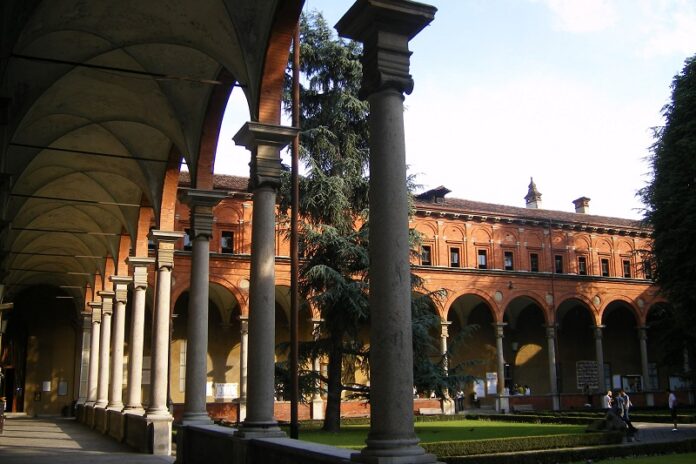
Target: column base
x,y
101,423
149,434
116,424
502,404
196,418
399,451
556,402
138,411
241,412
260,430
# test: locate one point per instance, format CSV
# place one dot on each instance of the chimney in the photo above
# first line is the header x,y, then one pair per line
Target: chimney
x,y
533,197
582,205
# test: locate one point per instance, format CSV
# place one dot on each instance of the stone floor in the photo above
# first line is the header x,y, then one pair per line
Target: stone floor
x,y
63,441
56,440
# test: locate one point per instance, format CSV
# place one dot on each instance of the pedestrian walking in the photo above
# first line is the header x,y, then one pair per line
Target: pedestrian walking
x,y
672,403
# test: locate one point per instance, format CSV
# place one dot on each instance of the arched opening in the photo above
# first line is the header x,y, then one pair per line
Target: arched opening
x,y
529,361
621,347
576,348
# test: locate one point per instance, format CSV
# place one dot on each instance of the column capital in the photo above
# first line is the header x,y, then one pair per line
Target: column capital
x,y
642,332
444,328
140,265
201,203
165,240
107,303
96,311
244,324
598,331
121,287
551,330
385,28
86,319
499,327
265,142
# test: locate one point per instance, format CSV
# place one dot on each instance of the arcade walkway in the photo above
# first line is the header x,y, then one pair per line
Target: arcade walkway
x,y
60,440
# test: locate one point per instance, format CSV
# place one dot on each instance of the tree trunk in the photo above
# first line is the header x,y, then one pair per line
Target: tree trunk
x,y
334,387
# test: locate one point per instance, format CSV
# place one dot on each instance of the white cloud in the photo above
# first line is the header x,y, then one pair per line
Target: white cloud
x,y
669,27
580,16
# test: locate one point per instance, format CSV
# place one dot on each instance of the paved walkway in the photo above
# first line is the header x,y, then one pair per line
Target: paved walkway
x,y
63,441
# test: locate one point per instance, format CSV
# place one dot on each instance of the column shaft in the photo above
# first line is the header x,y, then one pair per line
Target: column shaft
x,y
93,376
260,391
118,340
553,375
137,331
500,356
160,324
243,357
104,349
599,351
85,358
647,387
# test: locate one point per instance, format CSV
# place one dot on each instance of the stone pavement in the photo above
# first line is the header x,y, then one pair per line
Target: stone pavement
x,y
59,440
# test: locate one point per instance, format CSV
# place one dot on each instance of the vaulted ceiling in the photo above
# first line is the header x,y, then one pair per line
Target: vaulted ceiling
x,y
97,100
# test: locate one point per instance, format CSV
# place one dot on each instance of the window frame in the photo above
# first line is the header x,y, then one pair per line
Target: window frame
x,y
479,253
582,263
626,267
508,254
534,255
602,262
455,250
429,249
222,241
556,260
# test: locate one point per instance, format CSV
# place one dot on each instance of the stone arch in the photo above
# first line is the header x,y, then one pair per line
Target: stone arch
x,y
481,234
582,242
507,236
603,245
428,230
620,342
524,343
575,340
610,305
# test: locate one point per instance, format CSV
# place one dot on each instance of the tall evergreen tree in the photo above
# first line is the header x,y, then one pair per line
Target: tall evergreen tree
x,y
670,200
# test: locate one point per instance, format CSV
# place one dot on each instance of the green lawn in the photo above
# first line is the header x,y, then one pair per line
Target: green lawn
x,y
429,432
688,458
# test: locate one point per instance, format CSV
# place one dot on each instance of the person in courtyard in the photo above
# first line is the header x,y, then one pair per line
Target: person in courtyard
x,y
672,403
625,406
608,400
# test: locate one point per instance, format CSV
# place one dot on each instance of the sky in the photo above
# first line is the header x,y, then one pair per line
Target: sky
x,y
564,91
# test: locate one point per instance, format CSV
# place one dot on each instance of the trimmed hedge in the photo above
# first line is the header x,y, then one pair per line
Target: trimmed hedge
x,y
517,444
553,456
532,418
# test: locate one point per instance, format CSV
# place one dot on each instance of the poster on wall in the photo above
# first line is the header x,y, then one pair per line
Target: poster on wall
x,y
586,373
492,383
480,388
226,391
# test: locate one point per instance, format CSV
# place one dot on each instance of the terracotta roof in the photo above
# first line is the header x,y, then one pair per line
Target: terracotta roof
x,y
220,182
460,206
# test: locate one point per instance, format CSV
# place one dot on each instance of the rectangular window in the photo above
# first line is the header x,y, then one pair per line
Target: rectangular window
x,y
647,269
426,255
605,267
454,257
227,241
534,262
582,265
627,268
482,259
508,261
188,244
558,264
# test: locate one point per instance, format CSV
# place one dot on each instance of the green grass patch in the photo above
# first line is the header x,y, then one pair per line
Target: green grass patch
x,y
353,436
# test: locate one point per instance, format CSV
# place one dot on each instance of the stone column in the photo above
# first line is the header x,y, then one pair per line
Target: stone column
x,y
599,351
137,331
265,142
503,402
318,412
118,339
157,415
104,348
83,391
447,402
93,375
165,241
201,203
647,387
385,29
553,375
243,356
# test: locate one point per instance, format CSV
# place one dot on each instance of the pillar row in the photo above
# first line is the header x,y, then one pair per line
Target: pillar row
x,y
201,203
385,29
